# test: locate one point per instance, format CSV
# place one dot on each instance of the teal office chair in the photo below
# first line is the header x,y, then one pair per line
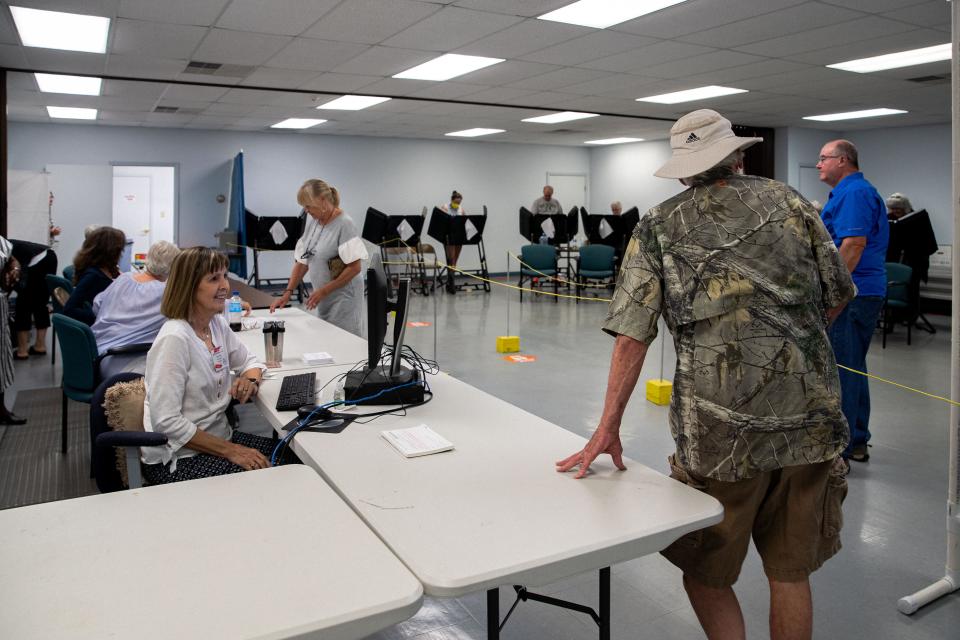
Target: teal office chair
x,y
57,300
595,262
897,303
542,261
68,272
81,364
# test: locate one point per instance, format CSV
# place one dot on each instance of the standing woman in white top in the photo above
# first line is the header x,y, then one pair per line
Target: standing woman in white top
x,y
189,380
455,208
330,250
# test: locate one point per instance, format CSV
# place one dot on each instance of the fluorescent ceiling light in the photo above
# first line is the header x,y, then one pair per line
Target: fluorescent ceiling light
x,y
449,65
562,116
605,13
473,133
77,85
74,113
850,115
700,93
896,60
297,123
57,30
353,103
614,141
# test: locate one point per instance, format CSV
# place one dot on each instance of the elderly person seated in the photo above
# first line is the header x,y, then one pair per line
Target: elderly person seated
x,y
95,268
189,381
912,242
128,311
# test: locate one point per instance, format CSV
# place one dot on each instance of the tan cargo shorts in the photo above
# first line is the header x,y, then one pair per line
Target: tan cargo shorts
x,y
793,514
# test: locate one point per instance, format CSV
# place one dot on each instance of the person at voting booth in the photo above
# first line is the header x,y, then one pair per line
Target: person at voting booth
x,y
331,251
189,381
546,205
746,276
455,208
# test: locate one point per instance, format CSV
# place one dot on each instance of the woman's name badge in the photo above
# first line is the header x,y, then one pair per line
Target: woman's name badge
x,y
218,359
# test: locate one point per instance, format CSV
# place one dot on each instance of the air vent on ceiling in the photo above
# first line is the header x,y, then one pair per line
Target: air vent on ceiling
x,y
218,69
183,111
943,78
563,131
162,109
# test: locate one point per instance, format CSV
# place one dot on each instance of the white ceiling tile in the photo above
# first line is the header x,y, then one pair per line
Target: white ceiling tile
x,y
197,12
294,100
618,85
763,27
121,117
527,8
237,47
861,29
152,39
12,56
316,55
397,86
225,109
812,78
717,60
33,97
340,82
273,77
106,8
699,15
17,111
64,61
599,44
119,103
21,81
8,33
934,14
844,51
137,66
279,17
175,92
876,6
384,61
450,28
508,72
764,67
523,38
137,90
370,21
247,97
560,78
636,60
168,119
446,90
498,94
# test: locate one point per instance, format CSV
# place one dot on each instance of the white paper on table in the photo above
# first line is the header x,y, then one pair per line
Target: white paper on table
x,y
417,441
605,229
405,230
317,357
549,228
471,229
278,233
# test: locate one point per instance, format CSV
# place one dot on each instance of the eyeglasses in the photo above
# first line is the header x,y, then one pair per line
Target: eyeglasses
x,y
824,158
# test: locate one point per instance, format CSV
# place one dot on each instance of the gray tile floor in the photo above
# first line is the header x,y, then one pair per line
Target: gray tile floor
x,y
894,536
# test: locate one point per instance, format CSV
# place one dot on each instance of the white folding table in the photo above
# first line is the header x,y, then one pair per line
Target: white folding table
x,y
273,553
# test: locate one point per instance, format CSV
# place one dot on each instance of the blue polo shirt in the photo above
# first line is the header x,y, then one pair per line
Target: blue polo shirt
x,y
854,208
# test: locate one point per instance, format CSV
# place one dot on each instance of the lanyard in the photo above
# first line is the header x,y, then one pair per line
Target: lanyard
x,y
311,242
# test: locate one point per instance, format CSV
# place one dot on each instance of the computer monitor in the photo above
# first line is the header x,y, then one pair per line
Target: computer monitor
x,y
373,383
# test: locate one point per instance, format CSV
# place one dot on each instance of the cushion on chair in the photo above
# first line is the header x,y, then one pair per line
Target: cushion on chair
x,y
61,295
123,406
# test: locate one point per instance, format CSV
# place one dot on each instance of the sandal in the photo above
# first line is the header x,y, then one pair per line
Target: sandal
x,y
17,356
36,352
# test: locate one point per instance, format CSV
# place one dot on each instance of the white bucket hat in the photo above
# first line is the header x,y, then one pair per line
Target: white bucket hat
x,y
699,141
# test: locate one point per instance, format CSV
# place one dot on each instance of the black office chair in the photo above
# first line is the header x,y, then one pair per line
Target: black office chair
x,y
117,434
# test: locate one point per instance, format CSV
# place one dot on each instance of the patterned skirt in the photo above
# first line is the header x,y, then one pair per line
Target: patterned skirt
x,y
204,465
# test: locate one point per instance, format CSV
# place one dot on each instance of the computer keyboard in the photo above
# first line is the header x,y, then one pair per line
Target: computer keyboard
x,y
296,391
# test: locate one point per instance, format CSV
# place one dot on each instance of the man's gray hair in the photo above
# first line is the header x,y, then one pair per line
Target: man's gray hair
x,y
722,169
899,201
847,149
160,258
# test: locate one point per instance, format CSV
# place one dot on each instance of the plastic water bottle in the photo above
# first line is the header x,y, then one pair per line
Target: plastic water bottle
x,y
235,311
544,239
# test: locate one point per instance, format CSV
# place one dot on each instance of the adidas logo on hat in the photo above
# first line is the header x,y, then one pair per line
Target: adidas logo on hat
x,y
693,138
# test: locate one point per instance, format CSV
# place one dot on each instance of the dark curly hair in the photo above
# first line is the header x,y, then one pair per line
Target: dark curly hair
x,y
101,250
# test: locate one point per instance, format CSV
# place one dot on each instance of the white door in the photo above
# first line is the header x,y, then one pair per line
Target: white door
x,y
131,210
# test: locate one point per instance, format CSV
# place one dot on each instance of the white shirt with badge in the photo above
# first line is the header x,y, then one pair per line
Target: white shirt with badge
x,y
188,386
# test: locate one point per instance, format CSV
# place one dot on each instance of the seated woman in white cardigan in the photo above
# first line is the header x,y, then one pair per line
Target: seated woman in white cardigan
x,y
189,381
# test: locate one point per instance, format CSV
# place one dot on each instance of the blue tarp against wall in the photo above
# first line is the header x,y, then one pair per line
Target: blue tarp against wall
x,y
236,220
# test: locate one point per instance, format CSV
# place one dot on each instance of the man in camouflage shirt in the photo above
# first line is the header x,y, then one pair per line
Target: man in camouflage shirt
x,y
747,278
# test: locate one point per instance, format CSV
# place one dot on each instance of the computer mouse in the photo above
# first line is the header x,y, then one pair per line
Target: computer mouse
x,y
314,412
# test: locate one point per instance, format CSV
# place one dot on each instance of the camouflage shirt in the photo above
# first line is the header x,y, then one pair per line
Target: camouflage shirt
x,y
742,270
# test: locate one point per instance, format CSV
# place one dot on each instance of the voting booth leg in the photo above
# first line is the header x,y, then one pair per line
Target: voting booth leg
x,y
602,618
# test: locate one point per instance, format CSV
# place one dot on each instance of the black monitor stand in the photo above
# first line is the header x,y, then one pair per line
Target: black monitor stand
x,y
452,229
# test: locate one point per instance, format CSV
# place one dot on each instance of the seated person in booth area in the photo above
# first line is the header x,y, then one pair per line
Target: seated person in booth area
x,y
96,267
547,205
189,382
912,241
128,311
616,208
455,208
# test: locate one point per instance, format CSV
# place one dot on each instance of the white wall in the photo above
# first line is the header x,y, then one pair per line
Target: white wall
x,y
624,172
393,175
83,195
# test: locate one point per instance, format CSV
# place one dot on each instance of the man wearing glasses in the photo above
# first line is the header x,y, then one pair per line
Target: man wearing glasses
x,y
855,216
